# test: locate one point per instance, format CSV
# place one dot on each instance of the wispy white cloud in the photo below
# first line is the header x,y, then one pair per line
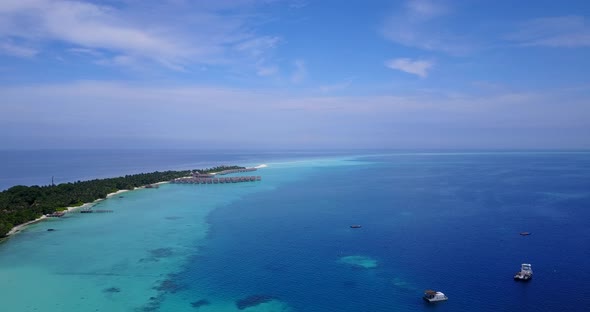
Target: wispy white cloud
x,y
86,25
258,46
562,31
420,24
16,50
85,51
205,36
300,71
260,50
415,67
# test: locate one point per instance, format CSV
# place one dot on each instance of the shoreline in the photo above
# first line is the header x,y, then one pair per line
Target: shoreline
x,y
18,228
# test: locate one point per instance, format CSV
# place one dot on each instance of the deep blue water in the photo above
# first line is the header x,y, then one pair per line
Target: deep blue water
x,y
447,222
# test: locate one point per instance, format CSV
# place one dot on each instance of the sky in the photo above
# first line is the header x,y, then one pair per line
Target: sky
x,y
412,74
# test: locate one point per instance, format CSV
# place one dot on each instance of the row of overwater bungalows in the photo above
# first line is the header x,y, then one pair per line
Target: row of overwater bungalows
x,y
199,180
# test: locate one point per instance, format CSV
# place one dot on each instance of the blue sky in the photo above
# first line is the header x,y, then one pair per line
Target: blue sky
x,y
294,74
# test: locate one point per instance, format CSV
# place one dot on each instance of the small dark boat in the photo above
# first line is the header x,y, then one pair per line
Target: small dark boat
x,y
57,214
525,233
355,226
50,230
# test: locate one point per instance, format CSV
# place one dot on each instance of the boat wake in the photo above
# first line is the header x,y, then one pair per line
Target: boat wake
x,y
261,166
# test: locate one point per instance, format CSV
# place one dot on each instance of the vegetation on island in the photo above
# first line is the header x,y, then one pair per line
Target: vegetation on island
x,y
20,204
218,169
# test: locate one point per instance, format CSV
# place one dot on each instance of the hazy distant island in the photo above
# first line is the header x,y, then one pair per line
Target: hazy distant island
x,y
21,204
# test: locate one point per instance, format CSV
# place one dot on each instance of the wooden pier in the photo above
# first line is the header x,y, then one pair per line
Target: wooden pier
x,y
221,180
95,211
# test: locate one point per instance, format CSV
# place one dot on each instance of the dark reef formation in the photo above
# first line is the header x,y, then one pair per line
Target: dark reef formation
x,y
112,290
152,305
157,254
169,286
161,252
253,300
173,218
199,303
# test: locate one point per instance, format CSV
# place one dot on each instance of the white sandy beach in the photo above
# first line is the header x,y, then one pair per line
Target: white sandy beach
x,y
20,227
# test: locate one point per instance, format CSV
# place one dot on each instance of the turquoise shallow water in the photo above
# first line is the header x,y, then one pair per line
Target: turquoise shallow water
x,y
133,249
443,221
122,261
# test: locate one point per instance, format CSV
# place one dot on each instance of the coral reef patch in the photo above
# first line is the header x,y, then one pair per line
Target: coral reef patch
x,y
253,300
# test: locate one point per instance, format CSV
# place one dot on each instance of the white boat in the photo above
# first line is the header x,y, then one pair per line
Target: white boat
x,y
434,296
525,274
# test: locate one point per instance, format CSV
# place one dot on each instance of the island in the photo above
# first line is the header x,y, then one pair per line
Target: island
x,y
21,204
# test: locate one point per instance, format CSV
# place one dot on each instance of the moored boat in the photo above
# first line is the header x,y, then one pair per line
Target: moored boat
x,y
525,274
434,296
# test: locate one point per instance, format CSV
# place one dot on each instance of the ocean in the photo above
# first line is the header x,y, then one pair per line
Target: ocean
x,y
444,221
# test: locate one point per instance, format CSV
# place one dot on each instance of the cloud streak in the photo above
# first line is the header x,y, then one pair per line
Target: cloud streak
x,y
420,24
415,67
562,31
15,50
203,37
90,26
